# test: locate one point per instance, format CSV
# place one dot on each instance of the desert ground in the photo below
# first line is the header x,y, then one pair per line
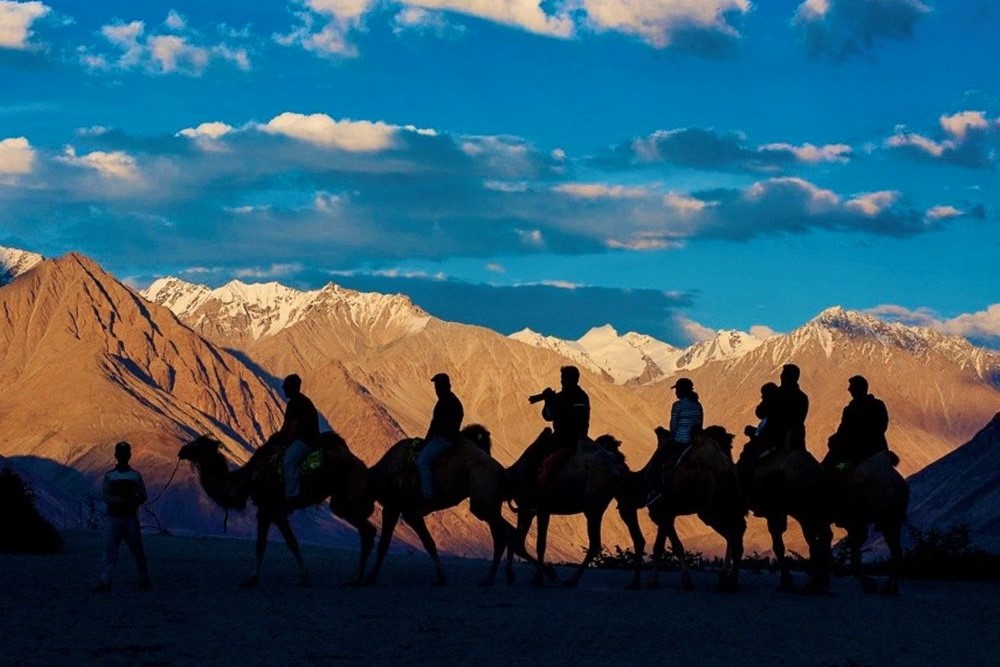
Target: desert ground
x,y
196,614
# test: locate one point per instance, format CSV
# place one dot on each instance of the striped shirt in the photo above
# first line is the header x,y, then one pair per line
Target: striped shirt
x,y
123,491
686,418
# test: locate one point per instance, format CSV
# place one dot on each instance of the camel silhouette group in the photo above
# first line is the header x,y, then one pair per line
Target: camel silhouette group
x,y
788,482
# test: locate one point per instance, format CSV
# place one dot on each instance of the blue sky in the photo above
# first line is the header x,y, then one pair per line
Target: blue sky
x,y
670,167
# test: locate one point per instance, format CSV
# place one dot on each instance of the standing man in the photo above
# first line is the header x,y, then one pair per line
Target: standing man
x,y
569,411
442,434
298,433
793,406
861,433
123,491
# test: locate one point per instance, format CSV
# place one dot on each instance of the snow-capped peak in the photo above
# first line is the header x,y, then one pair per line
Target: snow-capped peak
x,y
264,309
14,262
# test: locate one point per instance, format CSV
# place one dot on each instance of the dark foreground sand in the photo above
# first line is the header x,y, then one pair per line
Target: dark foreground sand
x,y
197,615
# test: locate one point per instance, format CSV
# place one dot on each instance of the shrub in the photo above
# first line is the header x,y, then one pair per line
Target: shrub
x,y
22,528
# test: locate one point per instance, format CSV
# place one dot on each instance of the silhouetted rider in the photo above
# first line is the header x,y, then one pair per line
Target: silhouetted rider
x,y
792,408
442,434
861,433
569,412
299,432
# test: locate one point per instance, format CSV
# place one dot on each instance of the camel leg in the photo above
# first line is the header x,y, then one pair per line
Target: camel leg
x,y
263,528
419,526
516,546
390,517
893,539
630,517
659,548
732,532
820,539
542,536
366,533
856,536
292,543
502,533
594,519
678,548
777,525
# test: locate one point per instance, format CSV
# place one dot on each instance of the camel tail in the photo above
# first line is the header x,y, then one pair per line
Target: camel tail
x,y
893,458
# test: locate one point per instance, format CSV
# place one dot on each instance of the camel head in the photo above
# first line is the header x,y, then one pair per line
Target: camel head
x,y
610,444
477,435
720,436
203,452
662,436
199,448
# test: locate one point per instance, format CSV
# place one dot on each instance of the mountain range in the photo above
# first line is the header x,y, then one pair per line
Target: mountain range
x,y
88,361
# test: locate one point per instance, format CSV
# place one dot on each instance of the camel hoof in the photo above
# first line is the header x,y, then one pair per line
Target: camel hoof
x,y
633,586
439,583
654,584
550,572
571,583
890,590
687,585
304,582
250,582
511,578
869,585
538,580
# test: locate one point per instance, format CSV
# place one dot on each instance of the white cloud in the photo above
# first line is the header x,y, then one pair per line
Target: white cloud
x,y
322,130
509,187
695,332
531,237
658,23
417,19
929,146
525,14
15,22
762,331
683,204
175,21
272,271
813,154
873,203
600,191
960,123
819,200
158,53
17,158
494,267
211,130
116,165
983,324
942,212
325,26
641,241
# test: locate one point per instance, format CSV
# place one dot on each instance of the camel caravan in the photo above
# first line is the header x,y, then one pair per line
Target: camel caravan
x,y
692,471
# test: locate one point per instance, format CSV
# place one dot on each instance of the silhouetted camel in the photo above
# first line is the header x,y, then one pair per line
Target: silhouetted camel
x,y
588,481
703,482
872,493
341,478
789,482
465,471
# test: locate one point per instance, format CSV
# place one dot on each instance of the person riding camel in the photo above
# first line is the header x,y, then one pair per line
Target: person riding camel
x,y
299,432
768,433
686,421
792,407
861,433
569,412
442,434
